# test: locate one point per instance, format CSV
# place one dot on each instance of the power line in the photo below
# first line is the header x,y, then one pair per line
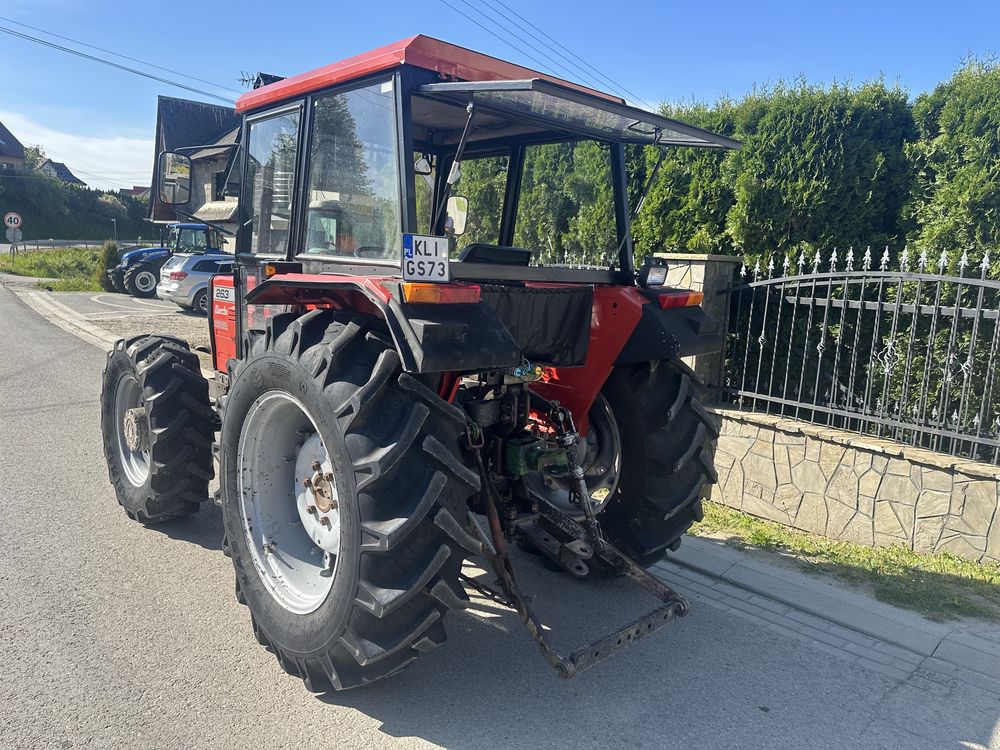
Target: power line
x,y
119,54
568,73
492,33
112,64
610,81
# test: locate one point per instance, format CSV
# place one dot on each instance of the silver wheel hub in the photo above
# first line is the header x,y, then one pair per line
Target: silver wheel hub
x,y
316,496
144,281
133,430
289,502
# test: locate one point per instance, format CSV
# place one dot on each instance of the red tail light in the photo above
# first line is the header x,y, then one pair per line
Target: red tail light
x,y
680,299
177,275
440,294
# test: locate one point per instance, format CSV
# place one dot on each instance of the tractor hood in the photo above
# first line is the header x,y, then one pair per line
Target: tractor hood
x,y
142,253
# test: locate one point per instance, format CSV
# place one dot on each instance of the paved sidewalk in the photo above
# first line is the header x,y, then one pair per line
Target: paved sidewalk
x,y
848,623
845,623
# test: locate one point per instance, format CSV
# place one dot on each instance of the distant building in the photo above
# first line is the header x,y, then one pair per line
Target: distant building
x,y
59,171
183,124
136,191
11,151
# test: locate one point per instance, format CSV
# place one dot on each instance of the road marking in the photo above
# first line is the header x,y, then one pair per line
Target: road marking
x,y
97,300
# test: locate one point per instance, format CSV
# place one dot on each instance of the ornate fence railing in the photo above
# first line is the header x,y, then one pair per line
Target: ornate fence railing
x,y
906,354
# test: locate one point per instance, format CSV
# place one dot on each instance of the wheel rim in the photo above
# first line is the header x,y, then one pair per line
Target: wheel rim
x,y
132,431
601,457
289,503
202,304
145,281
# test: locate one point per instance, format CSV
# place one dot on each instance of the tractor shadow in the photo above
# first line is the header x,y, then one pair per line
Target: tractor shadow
x,y
203,529
489,686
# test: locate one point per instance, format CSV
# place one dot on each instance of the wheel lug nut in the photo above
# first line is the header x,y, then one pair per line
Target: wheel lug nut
x,y
311,510
316,466
325,522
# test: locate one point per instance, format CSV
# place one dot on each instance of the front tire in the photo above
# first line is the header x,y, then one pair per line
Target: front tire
x,y
389,449
158,425
140,281
668,450
117,279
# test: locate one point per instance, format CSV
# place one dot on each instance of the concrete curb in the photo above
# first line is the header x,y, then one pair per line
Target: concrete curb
x,y
970,652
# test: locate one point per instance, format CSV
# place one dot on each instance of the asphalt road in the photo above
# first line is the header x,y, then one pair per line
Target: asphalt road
x,y
117,636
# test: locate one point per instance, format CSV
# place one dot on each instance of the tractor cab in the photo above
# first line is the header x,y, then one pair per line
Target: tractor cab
x,y
430,140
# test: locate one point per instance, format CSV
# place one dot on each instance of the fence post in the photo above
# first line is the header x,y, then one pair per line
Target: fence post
x,y
710,274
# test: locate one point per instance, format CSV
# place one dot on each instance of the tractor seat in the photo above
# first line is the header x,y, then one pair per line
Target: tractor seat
x,y
480,252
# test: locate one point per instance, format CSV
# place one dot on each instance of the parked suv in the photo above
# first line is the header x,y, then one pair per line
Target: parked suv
x,y
184,278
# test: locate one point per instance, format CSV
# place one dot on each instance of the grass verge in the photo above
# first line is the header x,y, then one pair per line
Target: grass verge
x,y
940,586
74,268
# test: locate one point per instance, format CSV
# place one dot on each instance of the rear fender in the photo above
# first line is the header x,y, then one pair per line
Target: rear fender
x,y
617,311
628,326
428,337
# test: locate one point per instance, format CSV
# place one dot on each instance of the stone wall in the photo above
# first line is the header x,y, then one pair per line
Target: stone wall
x,y
855,488
710,274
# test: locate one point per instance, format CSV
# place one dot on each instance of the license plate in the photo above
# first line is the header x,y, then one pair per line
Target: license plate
x,y
425,258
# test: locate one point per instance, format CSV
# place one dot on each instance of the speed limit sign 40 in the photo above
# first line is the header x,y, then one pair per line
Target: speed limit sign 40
x,y
12,220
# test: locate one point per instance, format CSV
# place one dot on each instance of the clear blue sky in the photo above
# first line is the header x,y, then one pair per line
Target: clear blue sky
x,y
100,121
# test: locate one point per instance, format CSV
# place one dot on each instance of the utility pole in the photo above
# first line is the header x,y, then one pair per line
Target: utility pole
x,y
114,224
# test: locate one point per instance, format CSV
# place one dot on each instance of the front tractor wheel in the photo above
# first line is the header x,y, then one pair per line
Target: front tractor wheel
x,y
140,281
668,443
158,426
344,500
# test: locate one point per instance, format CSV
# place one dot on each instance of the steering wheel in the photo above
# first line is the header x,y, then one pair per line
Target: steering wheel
x,y
369,251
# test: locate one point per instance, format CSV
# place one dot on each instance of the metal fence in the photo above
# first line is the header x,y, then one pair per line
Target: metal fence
x,y
908,354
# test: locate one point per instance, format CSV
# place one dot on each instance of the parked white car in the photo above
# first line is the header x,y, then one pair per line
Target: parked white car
x,y
184,278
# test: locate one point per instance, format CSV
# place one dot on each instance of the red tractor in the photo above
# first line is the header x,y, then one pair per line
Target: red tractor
x,y
395,393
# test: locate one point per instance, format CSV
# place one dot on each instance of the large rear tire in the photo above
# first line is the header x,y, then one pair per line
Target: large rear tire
x,y
668,449
158,426
328,384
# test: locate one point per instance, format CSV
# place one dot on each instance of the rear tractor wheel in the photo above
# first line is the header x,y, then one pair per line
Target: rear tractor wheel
x,y
158,426
668,442
344,500
647,460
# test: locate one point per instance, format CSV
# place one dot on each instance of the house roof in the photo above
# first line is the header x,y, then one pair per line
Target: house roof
x,y
62,172
181,123
450,61
9,145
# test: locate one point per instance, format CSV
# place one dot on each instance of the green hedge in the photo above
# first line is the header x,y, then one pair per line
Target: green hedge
x,y
841,165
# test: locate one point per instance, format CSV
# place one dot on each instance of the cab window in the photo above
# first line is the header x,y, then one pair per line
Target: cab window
x,y
353,189
482,182
272,145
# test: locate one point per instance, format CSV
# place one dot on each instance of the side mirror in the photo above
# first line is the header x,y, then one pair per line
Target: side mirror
x,y
458,213
173,186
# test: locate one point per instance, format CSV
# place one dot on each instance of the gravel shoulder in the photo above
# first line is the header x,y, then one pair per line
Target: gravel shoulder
x,y
187,326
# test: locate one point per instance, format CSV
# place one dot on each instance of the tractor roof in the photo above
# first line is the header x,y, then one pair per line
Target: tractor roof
x,y
449,60
515,103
